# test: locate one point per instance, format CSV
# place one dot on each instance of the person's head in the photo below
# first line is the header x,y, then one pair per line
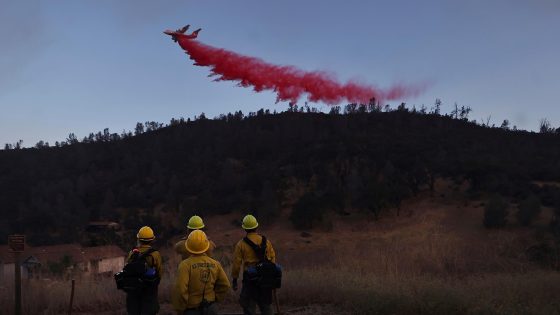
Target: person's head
x,y
195,223
197,242
250,223
145,235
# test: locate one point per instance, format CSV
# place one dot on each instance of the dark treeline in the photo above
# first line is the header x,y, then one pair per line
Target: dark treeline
x,y
355,157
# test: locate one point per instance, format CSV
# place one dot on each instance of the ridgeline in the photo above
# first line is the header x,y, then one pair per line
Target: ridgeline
x,y
309,162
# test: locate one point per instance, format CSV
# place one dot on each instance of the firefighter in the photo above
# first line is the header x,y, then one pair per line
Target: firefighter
x,y
195,223
251,294
201,281
145,301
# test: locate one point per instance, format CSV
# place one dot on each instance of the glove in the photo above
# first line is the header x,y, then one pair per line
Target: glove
x,y
234,285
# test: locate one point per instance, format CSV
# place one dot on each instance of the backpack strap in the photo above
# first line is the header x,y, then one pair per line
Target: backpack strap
x,y
260,251
147,254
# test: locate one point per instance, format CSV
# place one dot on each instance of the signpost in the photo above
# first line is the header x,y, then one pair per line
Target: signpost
x,y
17,245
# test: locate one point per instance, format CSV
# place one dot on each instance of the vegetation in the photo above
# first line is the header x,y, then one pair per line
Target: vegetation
x,y
529,209
358,157
495,212
365,286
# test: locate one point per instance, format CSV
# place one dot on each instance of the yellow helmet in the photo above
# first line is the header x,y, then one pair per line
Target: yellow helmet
x,y
249,222
145,234
197,242
195,223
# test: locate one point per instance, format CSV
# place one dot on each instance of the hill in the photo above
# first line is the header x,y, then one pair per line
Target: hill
x,y
308,164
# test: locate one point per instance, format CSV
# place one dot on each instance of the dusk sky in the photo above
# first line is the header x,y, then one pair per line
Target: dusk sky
x,y
82,66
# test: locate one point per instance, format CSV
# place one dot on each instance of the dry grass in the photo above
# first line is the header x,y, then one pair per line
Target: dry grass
x,y
434,259
346,288
367,293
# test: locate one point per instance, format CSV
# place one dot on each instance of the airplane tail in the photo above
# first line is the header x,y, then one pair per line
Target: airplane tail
x,y
183,29
195,33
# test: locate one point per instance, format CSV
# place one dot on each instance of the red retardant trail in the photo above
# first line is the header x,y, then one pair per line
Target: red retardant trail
x,y
288,82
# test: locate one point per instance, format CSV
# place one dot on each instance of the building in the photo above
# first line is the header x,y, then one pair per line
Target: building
x,y
37,262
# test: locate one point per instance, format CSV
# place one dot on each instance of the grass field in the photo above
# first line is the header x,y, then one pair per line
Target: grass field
x,y
436,258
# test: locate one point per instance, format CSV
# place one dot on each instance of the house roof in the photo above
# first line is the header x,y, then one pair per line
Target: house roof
x,y
56,253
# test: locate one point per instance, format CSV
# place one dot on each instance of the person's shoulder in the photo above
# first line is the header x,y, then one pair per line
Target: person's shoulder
x,y
154,252
186,263
213,261
240,242
268,242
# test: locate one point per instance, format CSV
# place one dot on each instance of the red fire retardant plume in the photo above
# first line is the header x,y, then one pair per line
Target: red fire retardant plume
x,y
288,82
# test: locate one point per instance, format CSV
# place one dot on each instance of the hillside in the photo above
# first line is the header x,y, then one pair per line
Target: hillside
x,y
312,165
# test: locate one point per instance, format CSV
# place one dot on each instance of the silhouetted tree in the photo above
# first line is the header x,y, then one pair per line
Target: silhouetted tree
x,y
139,129
505,124
72,139
545,127
437,107
335,110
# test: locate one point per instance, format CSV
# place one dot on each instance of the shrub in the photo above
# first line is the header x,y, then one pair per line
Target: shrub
x,y
495,212
528,210
307,211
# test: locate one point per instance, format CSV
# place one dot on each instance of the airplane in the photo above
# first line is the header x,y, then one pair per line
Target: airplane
x,y
181,33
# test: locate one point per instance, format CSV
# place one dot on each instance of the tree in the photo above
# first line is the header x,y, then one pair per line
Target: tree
x,y
464,112
139,129
351,108
402,107
373,107
495,212
306,212
72,139
545,127
528,210
106,135
362,109
455,111
437,107
505,124
335,110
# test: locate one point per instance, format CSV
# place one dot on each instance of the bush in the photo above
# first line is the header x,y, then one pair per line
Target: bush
x,y
495,212
307,211
528,210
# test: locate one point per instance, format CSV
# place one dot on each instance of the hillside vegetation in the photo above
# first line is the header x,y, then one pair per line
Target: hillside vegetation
x,y
312,164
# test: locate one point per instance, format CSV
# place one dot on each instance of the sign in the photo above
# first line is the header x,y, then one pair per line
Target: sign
x,y
16,243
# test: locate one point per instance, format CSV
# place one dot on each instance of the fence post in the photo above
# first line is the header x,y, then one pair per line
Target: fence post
x,y
71,298
17,267
17,245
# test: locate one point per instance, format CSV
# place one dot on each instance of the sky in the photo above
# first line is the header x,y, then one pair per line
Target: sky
x,y
70,66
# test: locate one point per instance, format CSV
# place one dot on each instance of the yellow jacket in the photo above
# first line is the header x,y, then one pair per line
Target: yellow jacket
x,y
182,250
196,274
244,254
153,260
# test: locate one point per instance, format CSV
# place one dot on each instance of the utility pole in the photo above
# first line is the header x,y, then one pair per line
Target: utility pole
x,y
17,245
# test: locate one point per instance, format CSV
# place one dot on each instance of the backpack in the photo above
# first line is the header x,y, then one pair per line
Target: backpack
x,y
266,274
137,274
